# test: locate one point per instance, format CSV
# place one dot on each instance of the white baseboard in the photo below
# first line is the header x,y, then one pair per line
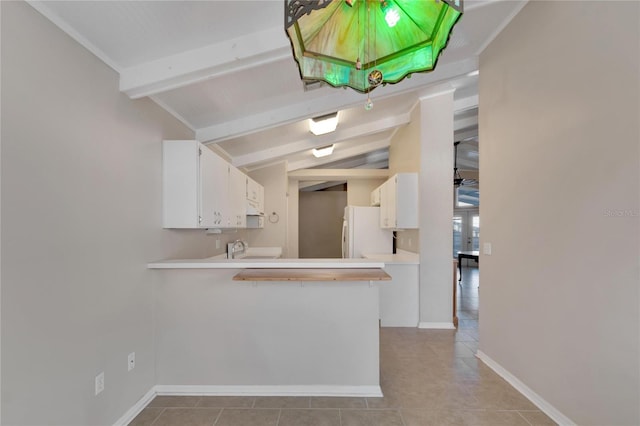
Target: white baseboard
x,y
136,409
317,390
179,390
437,325
525,390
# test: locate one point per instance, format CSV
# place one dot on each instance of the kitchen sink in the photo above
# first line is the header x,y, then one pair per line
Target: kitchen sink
x,y
254,257
257,253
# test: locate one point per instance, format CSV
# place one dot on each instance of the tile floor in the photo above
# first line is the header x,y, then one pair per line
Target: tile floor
x,y
428,377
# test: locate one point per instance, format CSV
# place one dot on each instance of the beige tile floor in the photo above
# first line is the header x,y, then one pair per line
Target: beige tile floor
x,y
428,377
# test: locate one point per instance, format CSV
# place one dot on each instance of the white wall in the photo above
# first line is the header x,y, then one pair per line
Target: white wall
x,y
436,209
276,183
560,172
81,217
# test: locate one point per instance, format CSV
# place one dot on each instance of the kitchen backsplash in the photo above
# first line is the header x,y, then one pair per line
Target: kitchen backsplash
x,y
408,240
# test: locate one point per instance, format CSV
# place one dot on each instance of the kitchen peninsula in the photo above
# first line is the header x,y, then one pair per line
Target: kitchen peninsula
x,y
268,326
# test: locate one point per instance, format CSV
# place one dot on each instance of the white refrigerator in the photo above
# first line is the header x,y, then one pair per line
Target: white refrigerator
x,y
361,233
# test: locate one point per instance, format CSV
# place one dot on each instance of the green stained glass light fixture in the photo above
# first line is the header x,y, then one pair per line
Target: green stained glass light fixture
x,y
364,43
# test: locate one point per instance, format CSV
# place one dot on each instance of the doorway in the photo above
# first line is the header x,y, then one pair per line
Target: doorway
x,y
320,217
466,237
466,232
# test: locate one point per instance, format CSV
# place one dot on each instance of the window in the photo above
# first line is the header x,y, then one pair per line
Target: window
x,y
467,196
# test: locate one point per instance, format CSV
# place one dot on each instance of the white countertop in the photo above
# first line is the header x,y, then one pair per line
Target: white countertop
x,y
217,262
400,258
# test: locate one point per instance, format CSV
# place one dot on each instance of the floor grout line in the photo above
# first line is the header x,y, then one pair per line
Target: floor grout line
x,y
525,419
218,417
402,418
156,419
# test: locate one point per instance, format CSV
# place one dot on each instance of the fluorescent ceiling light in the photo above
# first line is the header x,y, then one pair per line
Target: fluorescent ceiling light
x,y
323,124
322,152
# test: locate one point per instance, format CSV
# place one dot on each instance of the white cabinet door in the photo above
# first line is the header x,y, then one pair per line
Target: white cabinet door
x,y
384,206
180,184
237,198
221,192
190,185
252,190
208,197
255,197
399,202
260,199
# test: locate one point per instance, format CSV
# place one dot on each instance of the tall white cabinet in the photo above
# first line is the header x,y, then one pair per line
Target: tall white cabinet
x,y
200,189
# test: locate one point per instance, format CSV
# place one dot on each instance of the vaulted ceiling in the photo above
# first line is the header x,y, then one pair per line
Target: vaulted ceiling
x,y
225,69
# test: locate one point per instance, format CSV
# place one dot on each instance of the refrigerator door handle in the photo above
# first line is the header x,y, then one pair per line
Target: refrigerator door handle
x,y
344,240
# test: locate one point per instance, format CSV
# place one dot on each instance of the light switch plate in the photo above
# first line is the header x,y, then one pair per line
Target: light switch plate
x,y
486,249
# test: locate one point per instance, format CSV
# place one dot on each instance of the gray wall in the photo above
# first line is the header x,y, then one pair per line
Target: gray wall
x,y
320,223
559,152
81,217
276,183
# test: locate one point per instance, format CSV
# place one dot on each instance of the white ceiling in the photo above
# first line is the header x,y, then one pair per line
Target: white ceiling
x,y
225,69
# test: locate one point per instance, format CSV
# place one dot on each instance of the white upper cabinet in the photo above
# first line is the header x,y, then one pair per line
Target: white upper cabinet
x,y
220,190
237,198
255,198
200,189
399,202
187,185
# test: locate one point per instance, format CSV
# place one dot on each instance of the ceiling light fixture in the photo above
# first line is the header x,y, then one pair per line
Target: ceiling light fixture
x,y
391,14
323,124
366,43
322,152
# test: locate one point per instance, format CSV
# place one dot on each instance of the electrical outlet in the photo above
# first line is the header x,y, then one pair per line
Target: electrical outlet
x,y
217,243
99,383
131,361
409,242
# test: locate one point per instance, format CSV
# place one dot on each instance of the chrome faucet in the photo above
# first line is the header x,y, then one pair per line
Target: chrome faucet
x,y
238,246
